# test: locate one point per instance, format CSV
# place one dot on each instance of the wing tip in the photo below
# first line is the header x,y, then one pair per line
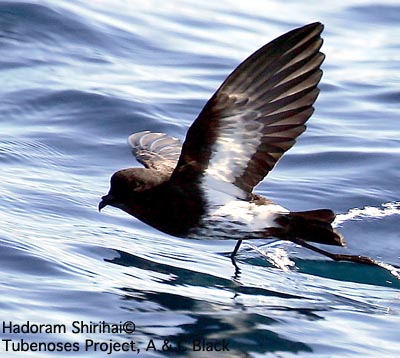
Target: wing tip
x,y
317,25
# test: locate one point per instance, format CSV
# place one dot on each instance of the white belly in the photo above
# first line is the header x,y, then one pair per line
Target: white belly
x,y
255,217
238,219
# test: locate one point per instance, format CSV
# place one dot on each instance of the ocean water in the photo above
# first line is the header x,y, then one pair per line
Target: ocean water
x,y
77,77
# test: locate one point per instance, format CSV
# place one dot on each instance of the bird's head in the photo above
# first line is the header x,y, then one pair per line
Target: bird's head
x,y
126,184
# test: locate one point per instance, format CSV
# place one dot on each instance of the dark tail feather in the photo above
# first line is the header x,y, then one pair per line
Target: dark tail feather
x,y
314,226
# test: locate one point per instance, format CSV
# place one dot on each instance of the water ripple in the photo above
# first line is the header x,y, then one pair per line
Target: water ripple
x,y
79,77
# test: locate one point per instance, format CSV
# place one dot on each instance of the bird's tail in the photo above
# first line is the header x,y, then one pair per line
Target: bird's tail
x,y
314,226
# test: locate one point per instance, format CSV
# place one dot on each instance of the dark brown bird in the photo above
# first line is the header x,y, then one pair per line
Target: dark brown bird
x,y
203,189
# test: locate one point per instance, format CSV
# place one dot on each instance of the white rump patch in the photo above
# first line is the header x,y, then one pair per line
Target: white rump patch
x,y
255,217
223,207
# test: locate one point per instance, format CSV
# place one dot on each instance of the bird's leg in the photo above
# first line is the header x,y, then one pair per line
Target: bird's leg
x,y
236,249
233,254
337,257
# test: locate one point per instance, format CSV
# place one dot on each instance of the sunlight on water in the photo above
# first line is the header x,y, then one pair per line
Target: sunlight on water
x,y
277,256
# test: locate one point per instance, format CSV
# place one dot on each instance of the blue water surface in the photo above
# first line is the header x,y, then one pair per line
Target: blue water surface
x,y
77,77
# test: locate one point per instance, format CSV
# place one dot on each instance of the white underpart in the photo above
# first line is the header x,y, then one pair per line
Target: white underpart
x,y
241,217
234,146
254,217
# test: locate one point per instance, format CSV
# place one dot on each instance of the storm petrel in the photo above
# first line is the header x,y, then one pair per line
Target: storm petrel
x,y
203,188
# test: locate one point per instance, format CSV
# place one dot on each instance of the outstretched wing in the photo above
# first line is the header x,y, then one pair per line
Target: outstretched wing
x,y
156,150
257,113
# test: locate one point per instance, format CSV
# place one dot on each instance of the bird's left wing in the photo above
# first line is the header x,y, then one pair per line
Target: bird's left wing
x,y
156,151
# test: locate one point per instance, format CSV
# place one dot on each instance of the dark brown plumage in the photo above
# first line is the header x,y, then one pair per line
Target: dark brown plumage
x,y
203,188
